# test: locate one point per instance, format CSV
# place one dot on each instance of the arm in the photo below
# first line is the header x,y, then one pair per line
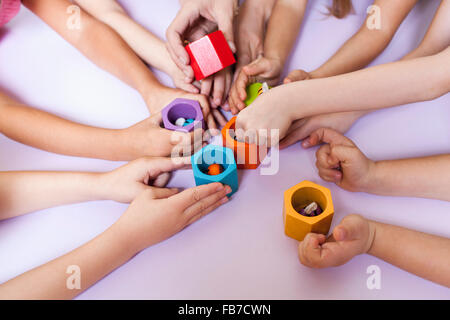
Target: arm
x,y
437,37
421,177
100,44
150,219
283,28
24,192
366,44
146,45
369,89
421,254
340,161
45,131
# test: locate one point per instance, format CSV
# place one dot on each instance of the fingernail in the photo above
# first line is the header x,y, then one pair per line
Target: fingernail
x,y
220,187
217,101
306,144
187,80
232,46
224,200
227,189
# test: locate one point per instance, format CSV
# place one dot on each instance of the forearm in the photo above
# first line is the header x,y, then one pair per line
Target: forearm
x,y
25,192
355,54
45,131
98,42
370,40
95,260
378,87
283,28
146,45
437,37
427,177
421,254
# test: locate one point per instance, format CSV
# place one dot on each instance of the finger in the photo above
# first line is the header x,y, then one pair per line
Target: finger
x,y
232,98
257,67
175,31
219,89
295,75
225,24
323,157
202,205
162,193
206,86
189,87
207,210
330,175
326,135
294,137
156,119
228,82
241,86
191,196
310,249
220,119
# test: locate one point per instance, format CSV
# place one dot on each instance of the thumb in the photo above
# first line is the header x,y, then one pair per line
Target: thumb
x,y
256,67
349,229
162,193
225,24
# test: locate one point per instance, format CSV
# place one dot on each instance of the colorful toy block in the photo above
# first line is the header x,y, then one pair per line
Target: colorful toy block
x,y
209,55
182,108
253,91
248,156
212,154
298,226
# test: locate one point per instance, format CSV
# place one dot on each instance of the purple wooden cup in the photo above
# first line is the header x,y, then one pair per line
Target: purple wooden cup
x,y
183,108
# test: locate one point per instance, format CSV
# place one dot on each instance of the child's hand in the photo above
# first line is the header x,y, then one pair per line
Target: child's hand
x,y
353,236
148,138
251,25
165,95
152,218
145,174
297,75
261,70
216,87
340,161
301,129
265,117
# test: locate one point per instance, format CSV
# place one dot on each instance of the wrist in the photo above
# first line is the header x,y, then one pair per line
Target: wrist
x,y
374,177
374,232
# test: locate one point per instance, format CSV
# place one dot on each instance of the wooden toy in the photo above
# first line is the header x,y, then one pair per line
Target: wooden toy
x,y
215,169
254,90
182,109
248,156
209,55
210,155
299,197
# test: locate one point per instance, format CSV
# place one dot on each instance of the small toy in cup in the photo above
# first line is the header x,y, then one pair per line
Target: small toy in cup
x,y
311,210
215,169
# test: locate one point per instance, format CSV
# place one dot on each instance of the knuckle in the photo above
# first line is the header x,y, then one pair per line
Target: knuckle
x,y
195,195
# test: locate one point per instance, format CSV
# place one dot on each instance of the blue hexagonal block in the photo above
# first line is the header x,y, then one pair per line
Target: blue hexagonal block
x,y
212,154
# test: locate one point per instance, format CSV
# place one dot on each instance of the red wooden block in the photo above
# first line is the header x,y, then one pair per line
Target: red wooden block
x,y
210,54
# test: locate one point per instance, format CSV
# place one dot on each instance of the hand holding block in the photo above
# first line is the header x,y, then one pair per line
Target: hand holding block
x,y
209,55
209,155
297,226
182,108
248,156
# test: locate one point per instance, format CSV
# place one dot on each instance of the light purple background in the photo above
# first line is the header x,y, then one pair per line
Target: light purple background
x,y
240,250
